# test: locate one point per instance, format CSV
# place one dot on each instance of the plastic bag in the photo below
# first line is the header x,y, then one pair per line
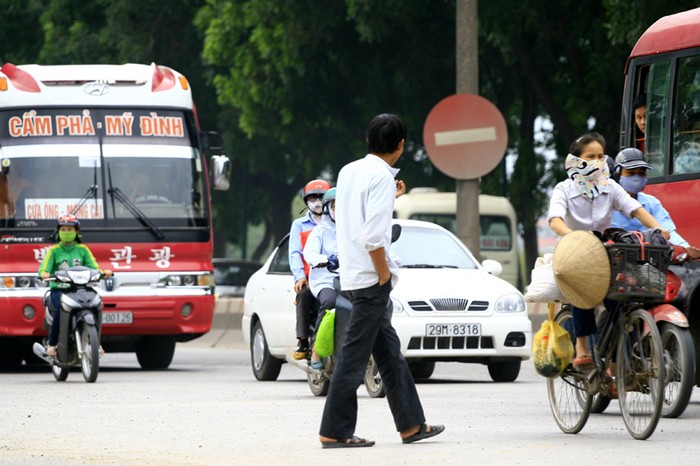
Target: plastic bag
x,y
325,336
552,348
543,288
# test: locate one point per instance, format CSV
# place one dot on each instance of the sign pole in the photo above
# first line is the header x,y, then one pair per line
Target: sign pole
x,y
467,64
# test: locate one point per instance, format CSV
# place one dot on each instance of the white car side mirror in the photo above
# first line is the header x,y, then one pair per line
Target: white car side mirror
x,y
493,267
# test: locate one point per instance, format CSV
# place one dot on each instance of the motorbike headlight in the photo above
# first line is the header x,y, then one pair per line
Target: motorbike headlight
x,y
512,302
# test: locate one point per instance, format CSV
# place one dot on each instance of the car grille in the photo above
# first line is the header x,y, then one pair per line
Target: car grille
x,y
449,304
431,343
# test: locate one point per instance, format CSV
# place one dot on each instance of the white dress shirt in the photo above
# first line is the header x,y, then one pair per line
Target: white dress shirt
x,y
580,213
364,205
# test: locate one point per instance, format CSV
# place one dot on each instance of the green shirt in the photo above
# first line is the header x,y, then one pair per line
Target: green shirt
x,y
61,257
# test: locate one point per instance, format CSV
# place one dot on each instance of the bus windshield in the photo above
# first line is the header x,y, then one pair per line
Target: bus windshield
x,y
100,177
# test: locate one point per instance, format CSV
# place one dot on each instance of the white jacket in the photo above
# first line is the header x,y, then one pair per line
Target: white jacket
x,y
320,244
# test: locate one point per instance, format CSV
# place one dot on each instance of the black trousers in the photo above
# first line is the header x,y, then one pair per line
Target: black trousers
x,y
305,312
370,332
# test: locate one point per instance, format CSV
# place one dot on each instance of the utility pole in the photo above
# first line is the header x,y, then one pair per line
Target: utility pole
x,y
467,61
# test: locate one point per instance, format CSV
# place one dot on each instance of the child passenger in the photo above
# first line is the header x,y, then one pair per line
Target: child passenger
x,y
586,200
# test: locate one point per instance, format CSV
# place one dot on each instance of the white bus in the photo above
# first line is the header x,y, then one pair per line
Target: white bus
x,y
498,223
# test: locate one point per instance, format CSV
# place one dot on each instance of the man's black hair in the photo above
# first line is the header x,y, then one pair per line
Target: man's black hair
x,y
384,133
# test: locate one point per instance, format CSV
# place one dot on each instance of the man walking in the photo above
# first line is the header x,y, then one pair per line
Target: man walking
x,y
365,202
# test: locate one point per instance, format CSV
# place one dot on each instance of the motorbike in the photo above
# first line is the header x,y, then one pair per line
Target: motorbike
x,y
678,346
319,380
80,324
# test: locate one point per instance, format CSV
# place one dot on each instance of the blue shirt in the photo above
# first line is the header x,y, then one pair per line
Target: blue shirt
x,y
296,264
657,210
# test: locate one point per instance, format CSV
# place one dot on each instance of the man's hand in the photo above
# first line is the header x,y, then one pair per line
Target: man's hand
x,y
693,252
45,275
298,286
400,188
107,273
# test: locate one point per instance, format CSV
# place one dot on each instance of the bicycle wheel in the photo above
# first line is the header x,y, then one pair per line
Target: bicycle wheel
x,y
679,366
568,399
640,374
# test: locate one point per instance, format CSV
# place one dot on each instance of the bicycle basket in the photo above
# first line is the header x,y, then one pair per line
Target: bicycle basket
x,y
638,271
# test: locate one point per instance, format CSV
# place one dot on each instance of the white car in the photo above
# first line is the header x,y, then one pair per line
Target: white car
x,y
447,307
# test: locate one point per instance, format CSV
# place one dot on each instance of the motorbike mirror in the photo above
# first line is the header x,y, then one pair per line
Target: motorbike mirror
x,y
395,232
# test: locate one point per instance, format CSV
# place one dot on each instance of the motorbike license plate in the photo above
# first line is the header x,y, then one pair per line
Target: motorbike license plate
x,y
117,318
452,330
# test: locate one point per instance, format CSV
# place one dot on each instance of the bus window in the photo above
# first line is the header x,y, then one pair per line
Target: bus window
x,y
657,109
495,233
446,221
686,118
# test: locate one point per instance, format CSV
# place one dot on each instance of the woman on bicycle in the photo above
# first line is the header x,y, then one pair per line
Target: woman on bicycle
x,y
586,200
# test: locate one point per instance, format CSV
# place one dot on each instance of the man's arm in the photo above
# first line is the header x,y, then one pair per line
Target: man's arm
x,y
378,257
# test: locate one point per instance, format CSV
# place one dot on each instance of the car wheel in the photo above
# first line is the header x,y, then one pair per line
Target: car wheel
x,y
265,366
373,380
504,371
422,369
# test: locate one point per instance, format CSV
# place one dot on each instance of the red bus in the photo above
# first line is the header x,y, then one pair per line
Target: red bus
x,y
665,67
120,147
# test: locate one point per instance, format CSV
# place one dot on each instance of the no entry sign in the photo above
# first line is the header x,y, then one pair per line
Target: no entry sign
x,y
465,136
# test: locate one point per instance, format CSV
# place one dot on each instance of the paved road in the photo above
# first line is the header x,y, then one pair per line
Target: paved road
x,y
208,409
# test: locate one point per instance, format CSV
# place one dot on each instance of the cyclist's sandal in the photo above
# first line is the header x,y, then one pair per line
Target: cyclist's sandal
x,y
583,362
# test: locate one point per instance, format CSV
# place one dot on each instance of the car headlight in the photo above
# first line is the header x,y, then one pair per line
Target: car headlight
x,y
512,302
396,305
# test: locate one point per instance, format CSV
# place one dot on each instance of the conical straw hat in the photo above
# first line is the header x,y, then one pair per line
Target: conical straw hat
x,y
582,269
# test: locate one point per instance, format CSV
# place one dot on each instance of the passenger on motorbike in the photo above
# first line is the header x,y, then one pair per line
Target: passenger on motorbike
x,y
631,173
301,228
586,200
321,253
68,252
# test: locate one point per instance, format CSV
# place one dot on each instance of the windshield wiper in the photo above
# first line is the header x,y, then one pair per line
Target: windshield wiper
x,y
115,192
91,192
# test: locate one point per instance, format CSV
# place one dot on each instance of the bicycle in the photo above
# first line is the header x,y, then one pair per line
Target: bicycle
x,y
627,351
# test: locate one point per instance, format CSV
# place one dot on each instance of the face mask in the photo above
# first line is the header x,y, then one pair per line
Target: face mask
x,y
315,206
67,236
633,184
589,176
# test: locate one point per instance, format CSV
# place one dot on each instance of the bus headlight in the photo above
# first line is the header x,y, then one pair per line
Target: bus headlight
x,y
206,279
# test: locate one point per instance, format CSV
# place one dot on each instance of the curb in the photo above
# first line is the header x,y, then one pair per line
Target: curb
x,y
228,313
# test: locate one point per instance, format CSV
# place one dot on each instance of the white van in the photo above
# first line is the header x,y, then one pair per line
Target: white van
x,y
498,223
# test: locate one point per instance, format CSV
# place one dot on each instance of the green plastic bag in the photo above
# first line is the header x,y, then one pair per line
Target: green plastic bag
x,y
326,335
552,348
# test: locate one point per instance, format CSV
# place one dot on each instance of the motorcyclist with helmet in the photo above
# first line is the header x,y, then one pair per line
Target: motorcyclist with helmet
x,y
321,253
301,228
67,252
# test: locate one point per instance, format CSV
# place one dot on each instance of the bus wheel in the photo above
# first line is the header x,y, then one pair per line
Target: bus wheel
x,y
11,354
155,351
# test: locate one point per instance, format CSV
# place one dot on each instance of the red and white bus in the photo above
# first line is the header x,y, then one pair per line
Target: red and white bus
x,y
665,66
120,147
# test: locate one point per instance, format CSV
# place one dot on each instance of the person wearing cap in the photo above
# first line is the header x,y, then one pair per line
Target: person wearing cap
x,y
586,200
298,234
631,173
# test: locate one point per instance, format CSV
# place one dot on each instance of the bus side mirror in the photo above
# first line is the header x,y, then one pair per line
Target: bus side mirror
x,y
220,172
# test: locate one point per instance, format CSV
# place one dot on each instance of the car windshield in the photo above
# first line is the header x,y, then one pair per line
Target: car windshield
x,y
427,248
